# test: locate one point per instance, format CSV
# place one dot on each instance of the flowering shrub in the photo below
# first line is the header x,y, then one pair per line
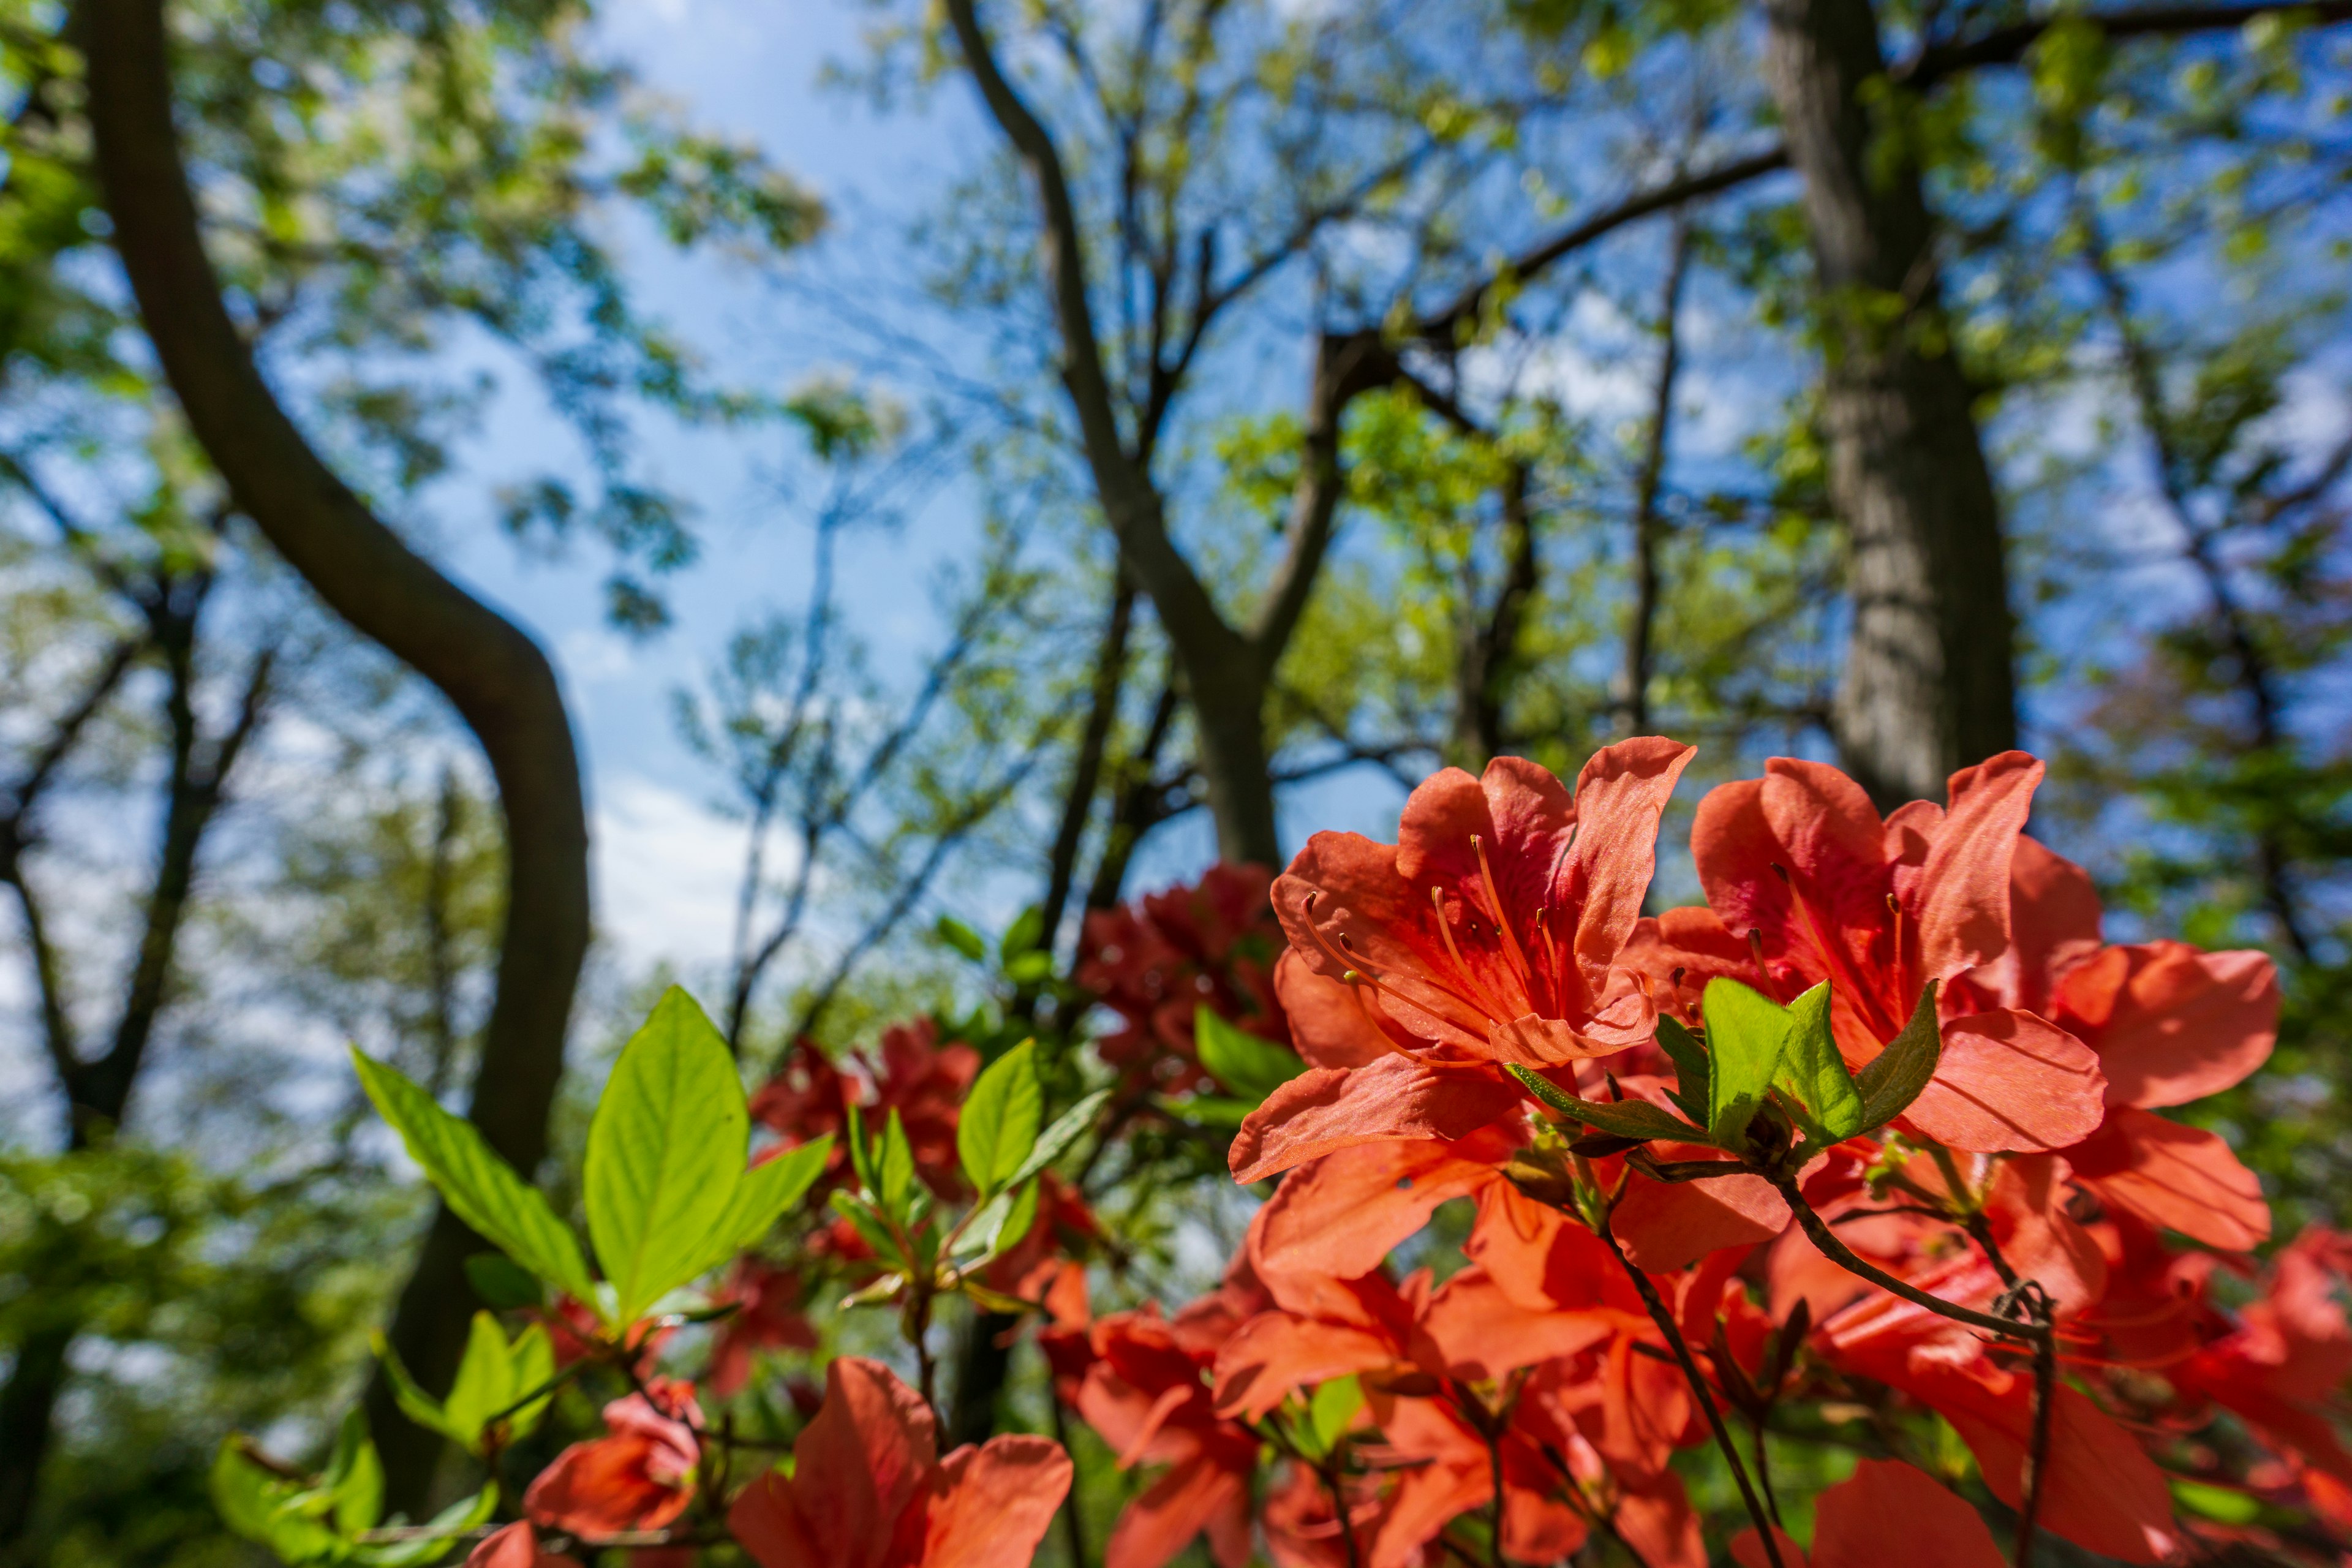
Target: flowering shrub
x,y
1851,1193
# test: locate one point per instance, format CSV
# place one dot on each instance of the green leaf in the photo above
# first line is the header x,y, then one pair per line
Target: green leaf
x,y
861,1150
1812,1072
414,1402
764,1194
1689,1057
870,1224
1024,934
481,1188
460,1517
1333,1405
1635,1118
1002,1222
531,1360
1745,1031
504,1285
353,1483
485,1382
666,1150
1896,1076
1251,1067
998,1125
278,1511
1031,968
894,1171
2218,1503
960,937
1057,1140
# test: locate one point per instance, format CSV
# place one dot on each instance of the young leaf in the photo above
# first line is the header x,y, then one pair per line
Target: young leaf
x,y
530,1361
353,1483
1001,1223
1635,1119
1057,1140
1250,1067
762,1198
1896,1076
861,1150
414,1402
1333,1405
1027,931
1745,1032
960,937
481,1188
1812,1072
666,1150
870,1224
1690,1064
894,1171
998,1125
264,1505
485,1382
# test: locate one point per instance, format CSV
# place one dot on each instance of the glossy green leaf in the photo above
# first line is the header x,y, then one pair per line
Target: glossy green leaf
x,y
861,1150
1896,1076
1745,1032
1250,1067
485,1383
481,1188
1811,1071
894,1171
1058,1140
1001,1223
666,1150
766,1192
275,1511
999,1123
1026,932
870,1224
1689,1057
1635,1118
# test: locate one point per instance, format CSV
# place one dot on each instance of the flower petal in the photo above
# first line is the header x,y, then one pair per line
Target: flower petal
x,y
1889,1512
1665,1225
2008,1082
998,1502
2181,1177
1963,893
2173,1023
1344,1213
1397,1098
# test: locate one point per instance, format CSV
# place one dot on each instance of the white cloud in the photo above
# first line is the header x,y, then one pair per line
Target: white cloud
x,y
666,871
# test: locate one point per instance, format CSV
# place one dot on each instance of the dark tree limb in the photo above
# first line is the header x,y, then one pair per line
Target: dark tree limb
x,y
1649,521
491,672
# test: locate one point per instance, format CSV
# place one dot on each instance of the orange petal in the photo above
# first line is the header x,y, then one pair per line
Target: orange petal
x,y
2011,1082
2173,1023
1667,1224
2181,1177
1397,1098
998,1501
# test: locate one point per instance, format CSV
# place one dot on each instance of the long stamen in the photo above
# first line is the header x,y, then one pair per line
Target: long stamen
x,y
1502,922
1756,952
1902,958
1445,930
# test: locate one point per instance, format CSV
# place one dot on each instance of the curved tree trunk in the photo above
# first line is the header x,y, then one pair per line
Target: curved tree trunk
x,y
492,673
1930,685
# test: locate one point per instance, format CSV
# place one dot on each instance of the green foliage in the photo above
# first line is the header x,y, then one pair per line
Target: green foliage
x,y
1249,1067
488,1405
998,1125
1896,1076
316,1521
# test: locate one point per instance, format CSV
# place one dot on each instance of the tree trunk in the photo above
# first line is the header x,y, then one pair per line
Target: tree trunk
x,y
491,672
1928,684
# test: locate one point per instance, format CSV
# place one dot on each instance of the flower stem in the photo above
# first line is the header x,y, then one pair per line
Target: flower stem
x,y
1666,1326
1838,1252
2037,1464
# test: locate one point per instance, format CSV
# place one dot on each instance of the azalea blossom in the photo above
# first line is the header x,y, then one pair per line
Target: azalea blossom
x,y
640,1476
1886,1511
1156,961
868,1489
1805,883
516,1546
1489,932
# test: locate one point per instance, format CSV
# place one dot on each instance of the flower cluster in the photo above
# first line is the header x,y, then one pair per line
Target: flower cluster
x,y
1870,1147
1869,1170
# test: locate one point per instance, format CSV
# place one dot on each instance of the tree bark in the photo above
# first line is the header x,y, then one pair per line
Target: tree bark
x,y
491,672
1649,483
1929,685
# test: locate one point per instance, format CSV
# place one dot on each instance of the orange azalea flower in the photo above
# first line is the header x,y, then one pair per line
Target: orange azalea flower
x,y
1805,883
640,1476
869,1490
1489,932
